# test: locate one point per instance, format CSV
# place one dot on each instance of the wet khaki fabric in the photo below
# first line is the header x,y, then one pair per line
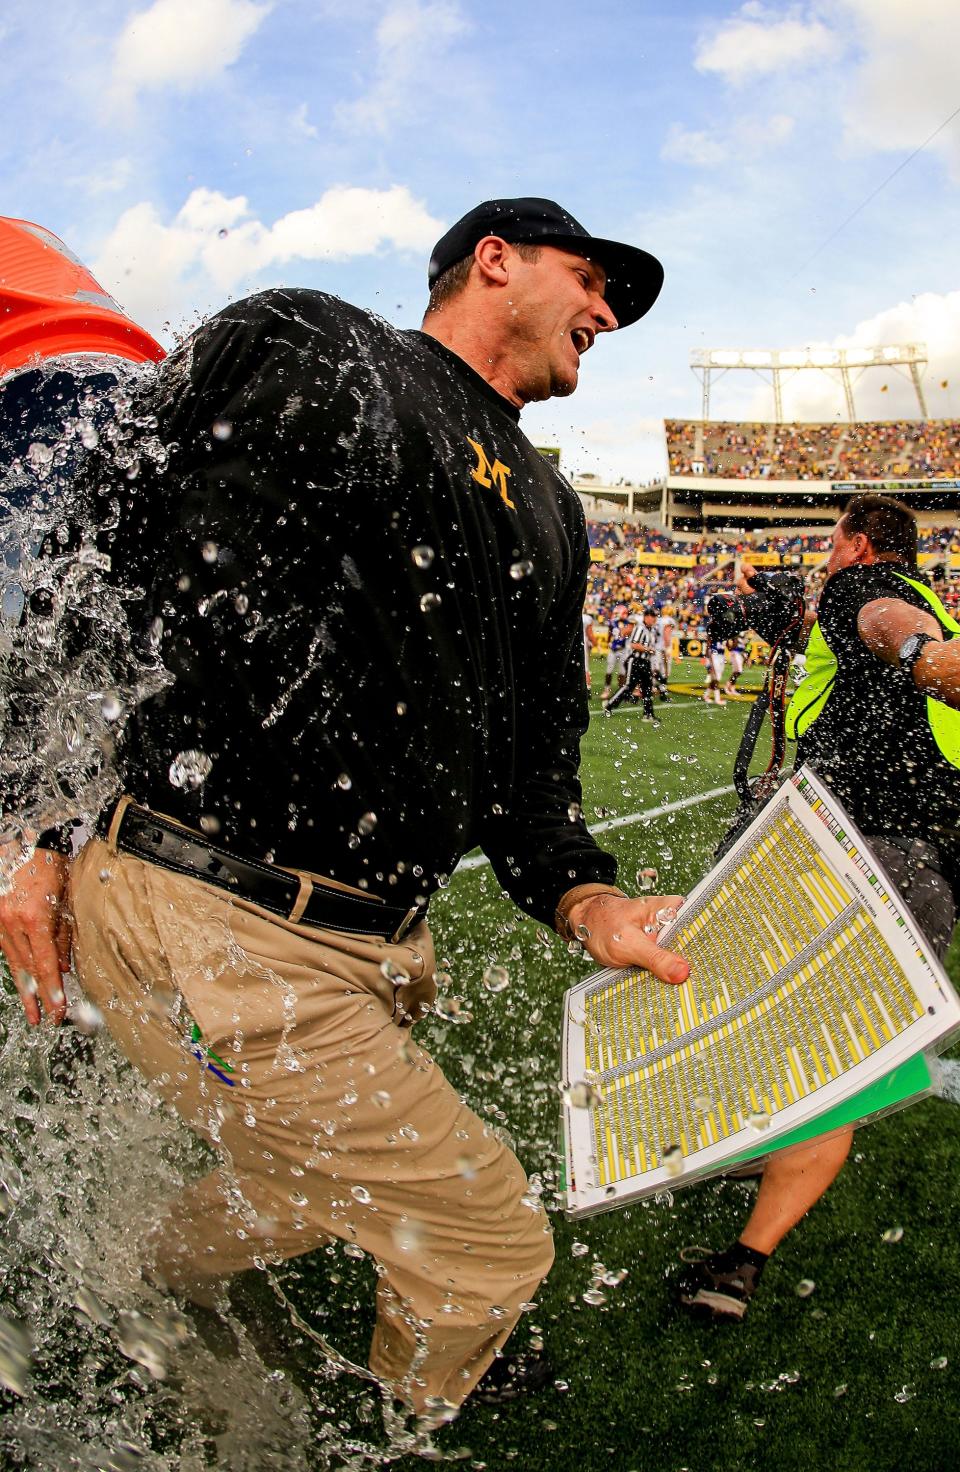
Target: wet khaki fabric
x,y
334,1121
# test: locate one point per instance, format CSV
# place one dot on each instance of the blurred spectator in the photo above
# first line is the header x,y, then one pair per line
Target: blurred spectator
x,y
880,450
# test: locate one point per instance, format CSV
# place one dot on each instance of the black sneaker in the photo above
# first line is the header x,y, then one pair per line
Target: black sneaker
x,y
713,1288
511,1375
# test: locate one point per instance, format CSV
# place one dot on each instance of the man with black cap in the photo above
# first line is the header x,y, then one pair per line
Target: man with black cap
x,y
353,565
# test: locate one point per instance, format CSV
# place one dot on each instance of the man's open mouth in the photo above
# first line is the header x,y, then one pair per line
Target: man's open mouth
x,y
582,339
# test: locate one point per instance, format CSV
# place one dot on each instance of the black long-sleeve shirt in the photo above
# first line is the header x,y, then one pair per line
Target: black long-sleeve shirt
x,y
367,584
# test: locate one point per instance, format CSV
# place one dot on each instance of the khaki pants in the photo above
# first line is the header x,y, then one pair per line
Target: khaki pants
x,y
333,1122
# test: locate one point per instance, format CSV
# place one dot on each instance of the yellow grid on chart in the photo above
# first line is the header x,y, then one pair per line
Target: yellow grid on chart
x,y
754,1044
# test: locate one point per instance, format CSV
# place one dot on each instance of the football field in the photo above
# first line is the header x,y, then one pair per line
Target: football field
x,y
862,1372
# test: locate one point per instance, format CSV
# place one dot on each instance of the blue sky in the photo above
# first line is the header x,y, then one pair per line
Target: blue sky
x,y
191,151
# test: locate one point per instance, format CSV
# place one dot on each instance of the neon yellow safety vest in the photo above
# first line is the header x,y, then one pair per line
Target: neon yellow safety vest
x,y
812,695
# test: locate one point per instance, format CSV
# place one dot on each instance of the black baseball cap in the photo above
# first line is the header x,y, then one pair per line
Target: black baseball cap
x,y
634,277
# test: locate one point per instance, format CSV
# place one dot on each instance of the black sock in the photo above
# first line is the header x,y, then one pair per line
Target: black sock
x,y
738,1256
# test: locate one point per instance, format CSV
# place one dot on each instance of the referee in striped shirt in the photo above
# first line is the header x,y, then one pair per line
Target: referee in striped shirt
x,y
639,681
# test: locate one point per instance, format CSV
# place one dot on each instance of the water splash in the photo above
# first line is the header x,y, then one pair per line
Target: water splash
x,y
71,668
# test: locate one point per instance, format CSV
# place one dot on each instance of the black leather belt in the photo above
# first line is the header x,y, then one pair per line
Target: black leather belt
x,y
163,842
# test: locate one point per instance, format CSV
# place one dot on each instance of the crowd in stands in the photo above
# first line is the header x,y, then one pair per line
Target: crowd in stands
x,y
622,584
880,450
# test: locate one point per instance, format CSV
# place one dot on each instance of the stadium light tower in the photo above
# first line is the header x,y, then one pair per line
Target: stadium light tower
x,y
848,364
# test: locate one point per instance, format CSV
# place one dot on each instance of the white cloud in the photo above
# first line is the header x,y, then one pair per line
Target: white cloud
x,y
757,41
906,82
687,146
931,319
411,41
744,139
301,123
214,246
182,43
110,178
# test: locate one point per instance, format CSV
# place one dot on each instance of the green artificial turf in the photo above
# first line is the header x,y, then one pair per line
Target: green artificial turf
x,y
804,1382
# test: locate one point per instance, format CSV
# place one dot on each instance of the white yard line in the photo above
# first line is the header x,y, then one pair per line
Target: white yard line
x,y
479,860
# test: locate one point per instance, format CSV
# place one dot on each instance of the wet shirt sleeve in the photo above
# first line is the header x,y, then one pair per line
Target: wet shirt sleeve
x,y
542,846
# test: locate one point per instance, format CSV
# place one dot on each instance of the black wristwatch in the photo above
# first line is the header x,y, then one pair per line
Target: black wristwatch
x,y
911,649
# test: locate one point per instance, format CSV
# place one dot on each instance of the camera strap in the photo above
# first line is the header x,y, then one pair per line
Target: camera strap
x,y
772,701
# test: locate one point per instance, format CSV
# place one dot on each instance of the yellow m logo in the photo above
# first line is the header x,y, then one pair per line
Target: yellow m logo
x,y
486,474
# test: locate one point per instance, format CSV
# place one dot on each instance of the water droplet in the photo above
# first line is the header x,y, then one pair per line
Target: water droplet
x,y
393,973
579,1249
672,1160
190,769
521,569
344,782
583,932
422,557
111,708
496,978
86,1018
143,1341
221,429
664,916
14,1356
361,1194
647,880
93,1306
351,1249
594,1297
209,551
905,1393
573,811
367,824
582,1095
759,1120
453,1009
409,1133
805,1287
940,1363
893,1234
347,1099
429,602
381,1098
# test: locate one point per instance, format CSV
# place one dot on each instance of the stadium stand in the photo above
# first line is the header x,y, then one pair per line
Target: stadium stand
x,y
637,566
864,451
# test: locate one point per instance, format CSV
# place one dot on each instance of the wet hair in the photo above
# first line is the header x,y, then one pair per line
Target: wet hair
x,y
888,525
454,279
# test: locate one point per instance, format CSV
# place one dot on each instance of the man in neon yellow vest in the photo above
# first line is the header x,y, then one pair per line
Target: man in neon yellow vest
x,y
878,718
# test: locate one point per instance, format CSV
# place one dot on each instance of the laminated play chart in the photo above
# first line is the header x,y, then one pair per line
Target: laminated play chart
x,y
812,998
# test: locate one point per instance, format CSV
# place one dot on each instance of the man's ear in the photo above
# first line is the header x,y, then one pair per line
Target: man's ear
x,y
492,256
865,552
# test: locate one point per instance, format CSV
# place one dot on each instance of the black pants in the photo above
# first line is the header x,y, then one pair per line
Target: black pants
x,y
639,677
915,870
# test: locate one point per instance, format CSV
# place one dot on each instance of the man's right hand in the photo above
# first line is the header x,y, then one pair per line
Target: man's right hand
x,y
35,934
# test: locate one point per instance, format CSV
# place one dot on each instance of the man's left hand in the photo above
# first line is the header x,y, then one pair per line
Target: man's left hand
x,y
622,932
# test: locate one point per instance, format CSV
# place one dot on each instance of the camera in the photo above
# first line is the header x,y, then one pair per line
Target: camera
x,y
773,610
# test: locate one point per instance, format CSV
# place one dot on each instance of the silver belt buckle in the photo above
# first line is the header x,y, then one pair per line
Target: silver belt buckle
x,y
404,925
